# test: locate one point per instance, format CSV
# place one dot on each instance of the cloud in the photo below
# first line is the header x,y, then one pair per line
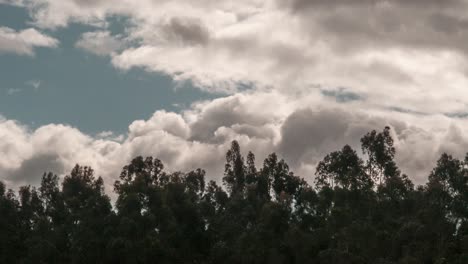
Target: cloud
x,y
12,91
27,154
171,123
342,95
200,136
31,169
391,54
35,84
23,42
300,77
100,42
354,26
12,2
186,31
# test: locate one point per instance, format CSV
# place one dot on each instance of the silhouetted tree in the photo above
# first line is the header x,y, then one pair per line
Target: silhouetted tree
x,y
362,209
380,151
234,172
343,168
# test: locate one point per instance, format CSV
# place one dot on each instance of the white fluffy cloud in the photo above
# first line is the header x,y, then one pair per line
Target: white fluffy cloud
x,y
200,136
23,42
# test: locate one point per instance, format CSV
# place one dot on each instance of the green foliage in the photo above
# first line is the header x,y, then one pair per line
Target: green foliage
x,y
361,209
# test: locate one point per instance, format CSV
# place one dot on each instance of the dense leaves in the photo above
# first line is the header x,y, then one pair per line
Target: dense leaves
x,y
360,209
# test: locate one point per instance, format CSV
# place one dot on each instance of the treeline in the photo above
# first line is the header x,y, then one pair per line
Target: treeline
x,y
357,211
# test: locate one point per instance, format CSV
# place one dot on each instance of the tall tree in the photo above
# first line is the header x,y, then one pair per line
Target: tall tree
x,y
380,152
234,171
89,212
343,168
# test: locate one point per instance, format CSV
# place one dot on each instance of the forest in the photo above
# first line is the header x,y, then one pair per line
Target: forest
x,y
359,209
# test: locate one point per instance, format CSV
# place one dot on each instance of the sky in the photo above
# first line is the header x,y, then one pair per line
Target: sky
x,y
100,82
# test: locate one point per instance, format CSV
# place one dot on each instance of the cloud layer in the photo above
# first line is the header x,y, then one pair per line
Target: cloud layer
x,y
397,54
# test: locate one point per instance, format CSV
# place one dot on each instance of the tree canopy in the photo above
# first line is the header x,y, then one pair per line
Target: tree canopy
x,y
359,209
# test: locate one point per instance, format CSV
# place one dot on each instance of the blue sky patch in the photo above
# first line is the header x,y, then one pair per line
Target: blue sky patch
x,y
68,85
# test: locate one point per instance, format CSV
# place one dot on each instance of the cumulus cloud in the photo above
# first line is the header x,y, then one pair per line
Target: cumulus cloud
x,y
23,42
200,136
